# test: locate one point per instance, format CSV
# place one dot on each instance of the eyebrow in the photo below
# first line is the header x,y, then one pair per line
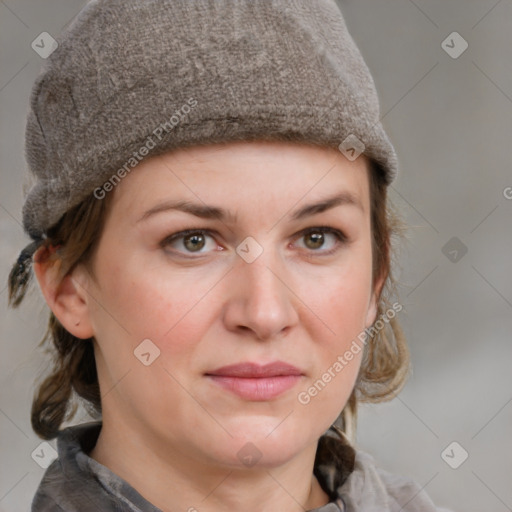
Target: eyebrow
x,y
217,213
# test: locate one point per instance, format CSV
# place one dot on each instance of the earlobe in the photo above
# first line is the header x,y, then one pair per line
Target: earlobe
x,y
371,315
66,297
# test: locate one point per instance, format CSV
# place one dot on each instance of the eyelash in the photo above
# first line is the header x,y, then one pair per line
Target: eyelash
x,y
340,236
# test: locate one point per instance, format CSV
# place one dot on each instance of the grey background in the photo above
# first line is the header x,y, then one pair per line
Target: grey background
x,y
451,123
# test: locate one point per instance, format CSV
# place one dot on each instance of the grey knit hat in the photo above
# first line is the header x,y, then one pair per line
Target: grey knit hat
x,y
137,78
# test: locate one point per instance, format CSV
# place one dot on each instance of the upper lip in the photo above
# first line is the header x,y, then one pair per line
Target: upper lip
x,y
254,370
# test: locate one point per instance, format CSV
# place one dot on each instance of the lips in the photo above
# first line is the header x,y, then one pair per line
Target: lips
x,y
254,382
253,370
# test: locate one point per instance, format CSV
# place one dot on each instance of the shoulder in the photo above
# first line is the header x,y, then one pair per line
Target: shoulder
x,y
50,485
53,492
64,491
68,485
371,488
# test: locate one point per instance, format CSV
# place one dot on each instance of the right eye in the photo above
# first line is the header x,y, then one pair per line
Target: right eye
x,y
190,241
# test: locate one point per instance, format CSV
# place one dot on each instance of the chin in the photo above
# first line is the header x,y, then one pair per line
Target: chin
x,y
259,444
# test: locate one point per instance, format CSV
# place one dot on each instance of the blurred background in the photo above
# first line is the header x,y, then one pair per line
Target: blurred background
x,y
443,70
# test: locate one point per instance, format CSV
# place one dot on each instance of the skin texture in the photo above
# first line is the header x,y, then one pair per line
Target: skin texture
x,y
168,430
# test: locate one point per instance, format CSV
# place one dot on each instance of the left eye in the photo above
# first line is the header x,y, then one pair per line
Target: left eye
x,y
315,238
194,240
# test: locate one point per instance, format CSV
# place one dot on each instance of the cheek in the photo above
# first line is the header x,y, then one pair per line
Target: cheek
x,y
337,351
342,306
170,310
346,310
344,300
137,306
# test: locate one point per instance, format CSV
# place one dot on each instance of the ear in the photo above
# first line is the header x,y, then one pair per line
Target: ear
x,y
67,297
371,314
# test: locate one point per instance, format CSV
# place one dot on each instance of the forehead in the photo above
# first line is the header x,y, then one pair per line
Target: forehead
x,y
246,175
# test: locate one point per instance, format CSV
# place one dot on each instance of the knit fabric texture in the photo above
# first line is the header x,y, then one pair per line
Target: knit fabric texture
x,y
136,78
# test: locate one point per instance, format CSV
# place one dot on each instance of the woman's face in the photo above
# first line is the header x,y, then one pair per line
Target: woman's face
x,y
277,267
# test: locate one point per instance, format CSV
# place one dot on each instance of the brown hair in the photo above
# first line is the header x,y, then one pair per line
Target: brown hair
x,y
385,361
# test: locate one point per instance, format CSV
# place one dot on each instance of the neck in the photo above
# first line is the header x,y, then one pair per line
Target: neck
x,y
171,479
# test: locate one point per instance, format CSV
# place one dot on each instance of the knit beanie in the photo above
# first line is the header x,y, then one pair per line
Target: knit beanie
x,y
131,79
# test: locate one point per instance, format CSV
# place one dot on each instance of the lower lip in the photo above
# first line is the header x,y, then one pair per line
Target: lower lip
x,y
257,389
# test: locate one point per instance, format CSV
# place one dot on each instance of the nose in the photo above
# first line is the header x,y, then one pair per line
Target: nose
x,y
260,298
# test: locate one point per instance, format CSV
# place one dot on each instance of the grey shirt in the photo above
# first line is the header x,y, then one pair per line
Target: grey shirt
x,y
75,482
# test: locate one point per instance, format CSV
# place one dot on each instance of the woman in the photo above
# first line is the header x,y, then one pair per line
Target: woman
x,y
211,233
